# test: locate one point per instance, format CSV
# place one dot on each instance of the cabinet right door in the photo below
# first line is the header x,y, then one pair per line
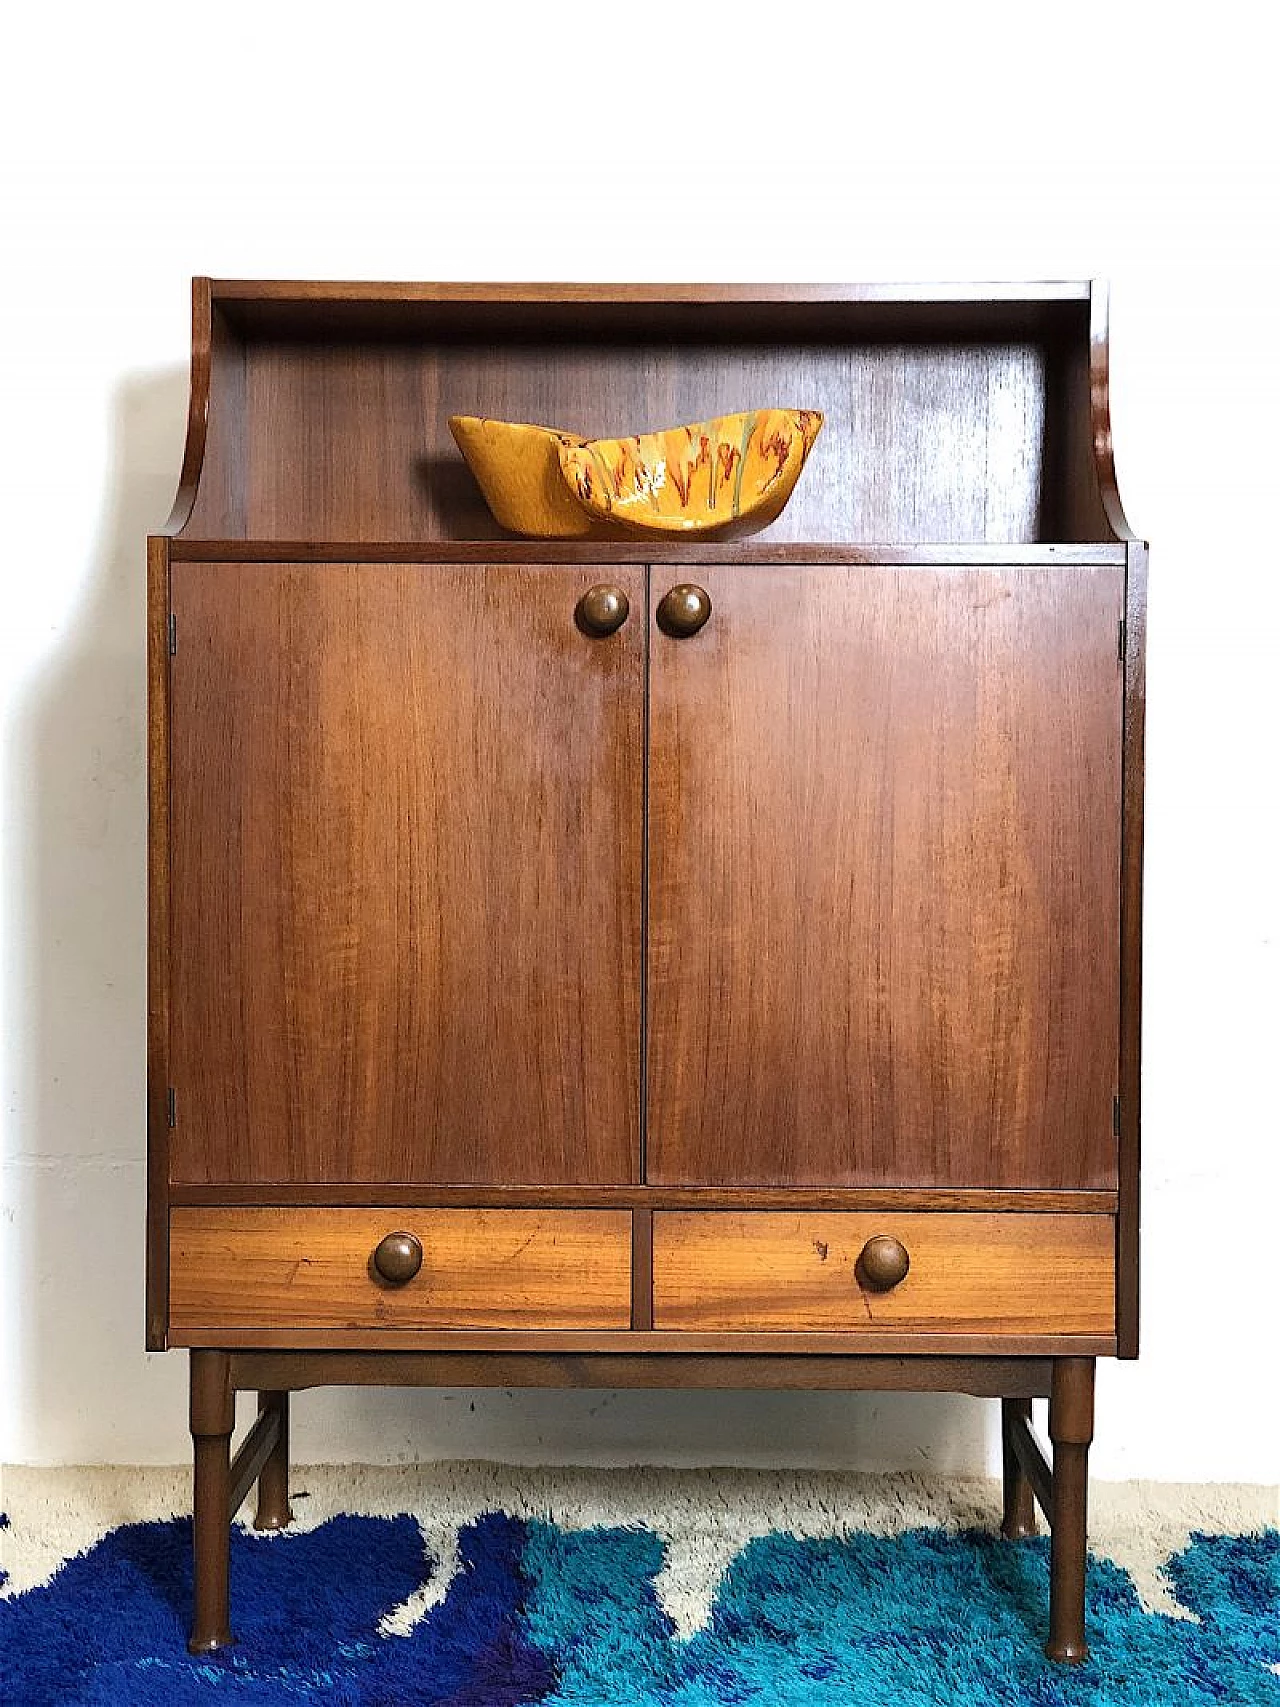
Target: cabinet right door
x,y
884,878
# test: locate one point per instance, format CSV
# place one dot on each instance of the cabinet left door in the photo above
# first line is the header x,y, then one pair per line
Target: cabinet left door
x,y
407,824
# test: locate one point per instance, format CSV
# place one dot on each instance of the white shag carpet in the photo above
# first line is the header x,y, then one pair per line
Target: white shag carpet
x,y
705,1516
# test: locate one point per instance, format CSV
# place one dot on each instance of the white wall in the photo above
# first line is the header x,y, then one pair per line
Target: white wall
x,y
145,143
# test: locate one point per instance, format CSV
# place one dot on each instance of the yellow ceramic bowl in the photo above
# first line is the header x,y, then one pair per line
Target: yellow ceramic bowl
x,y
735,470
517,467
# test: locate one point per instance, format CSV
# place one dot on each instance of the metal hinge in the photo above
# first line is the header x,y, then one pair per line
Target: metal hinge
x,y
1121,634
173,1106
1115,1117
173,634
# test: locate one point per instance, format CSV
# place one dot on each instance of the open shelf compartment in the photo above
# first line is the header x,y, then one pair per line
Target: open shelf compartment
x,y
974,415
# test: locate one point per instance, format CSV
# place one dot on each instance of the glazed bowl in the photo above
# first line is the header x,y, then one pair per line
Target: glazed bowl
x,y
736,471
517,467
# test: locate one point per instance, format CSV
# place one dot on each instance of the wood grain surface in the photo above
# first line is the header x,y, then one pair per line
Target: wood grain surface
x,y
350,440
645,1197
591,315
406,867
765,553
1128,1233
761,1271
955,411
509,1268
884,880
484,295
853,1342
158,961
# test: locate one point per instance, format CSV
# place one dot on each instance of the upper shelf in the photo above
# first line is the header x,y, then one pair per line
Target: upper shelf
x,y
961,413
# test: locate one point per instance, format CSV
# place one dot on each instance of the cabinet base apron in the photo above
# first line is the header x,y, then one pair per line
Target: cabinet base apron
x,y
1059,1485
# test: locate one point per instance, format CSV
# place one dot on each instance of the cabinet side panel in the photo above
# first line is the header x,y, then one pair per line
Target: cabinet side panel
x,y
157,1272
407,844
220,504
1128,1220
884,880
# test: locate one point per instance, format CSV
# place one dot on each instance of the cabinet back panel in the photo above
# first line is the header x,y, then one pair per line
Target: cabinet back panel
x,y
406,857
884,880
924,441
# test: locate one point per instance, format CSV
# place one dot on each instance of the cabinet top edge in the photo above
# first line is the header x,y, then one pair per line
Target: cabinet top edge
x,y
459,291
311,310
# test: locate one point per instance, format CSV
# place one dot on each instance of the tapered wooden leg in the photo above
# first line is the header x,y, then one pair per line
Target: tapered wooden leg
x,y
1019,1501
212,1423
1071,1431
273,1479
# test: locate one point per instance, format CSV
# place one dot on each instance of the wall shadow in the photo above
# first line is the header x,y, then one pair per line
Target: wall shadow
x,y
86,1390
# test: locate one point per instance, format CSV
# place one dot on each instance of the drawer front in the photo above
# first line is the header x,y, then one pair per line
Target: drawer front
x,y
760,1271
481,1268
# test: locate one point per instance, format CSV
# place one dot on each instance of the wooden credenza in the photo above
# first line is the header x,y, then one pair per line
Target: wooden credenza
x,y
750,1006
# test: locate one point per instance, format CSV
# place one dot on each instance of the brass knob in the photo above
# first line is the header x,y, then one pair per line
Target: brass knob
x,y
683,610
883,1264
602,610
398,1258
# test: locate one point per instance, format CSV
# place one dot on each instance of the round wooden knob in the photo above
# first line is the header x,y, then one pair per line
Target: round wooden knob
x,y
683,610
398,1258
602,610
884,1263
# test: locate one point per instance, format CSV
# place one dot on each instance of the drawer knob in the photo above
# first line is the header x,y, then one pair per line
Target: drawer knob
x,y
883,1264
683,610
398,1258
602,610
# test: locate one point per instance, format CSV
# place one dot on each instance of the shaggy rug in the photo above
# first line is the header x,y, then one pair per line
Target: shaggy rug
x,y
481,1586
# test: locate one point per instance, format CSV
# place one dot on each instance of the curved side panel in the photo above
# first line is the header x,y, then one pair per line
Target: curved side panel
x,y
1100,410
197,408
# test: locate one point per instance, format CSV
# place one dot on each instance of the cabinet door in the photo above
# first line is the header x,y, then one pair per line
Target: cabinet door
x,y
884,879
407,848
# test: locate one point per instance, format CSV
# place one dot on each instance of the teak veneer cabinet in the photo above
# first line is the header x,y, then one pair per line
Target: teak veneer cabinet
x,y
749,1007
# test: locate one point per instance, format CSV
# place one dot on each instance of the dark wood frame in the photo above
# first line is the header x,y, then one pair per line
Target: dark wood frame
x,y
223,1481
1091,529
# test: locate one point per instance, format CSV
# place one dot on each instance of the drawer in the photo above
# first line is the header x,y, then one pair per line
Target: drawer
x,y
480,1268
760,1271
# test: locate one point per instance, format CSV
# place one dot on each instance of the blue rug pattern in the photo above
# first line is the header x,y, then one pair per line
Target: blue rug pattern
x,y
538,1614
